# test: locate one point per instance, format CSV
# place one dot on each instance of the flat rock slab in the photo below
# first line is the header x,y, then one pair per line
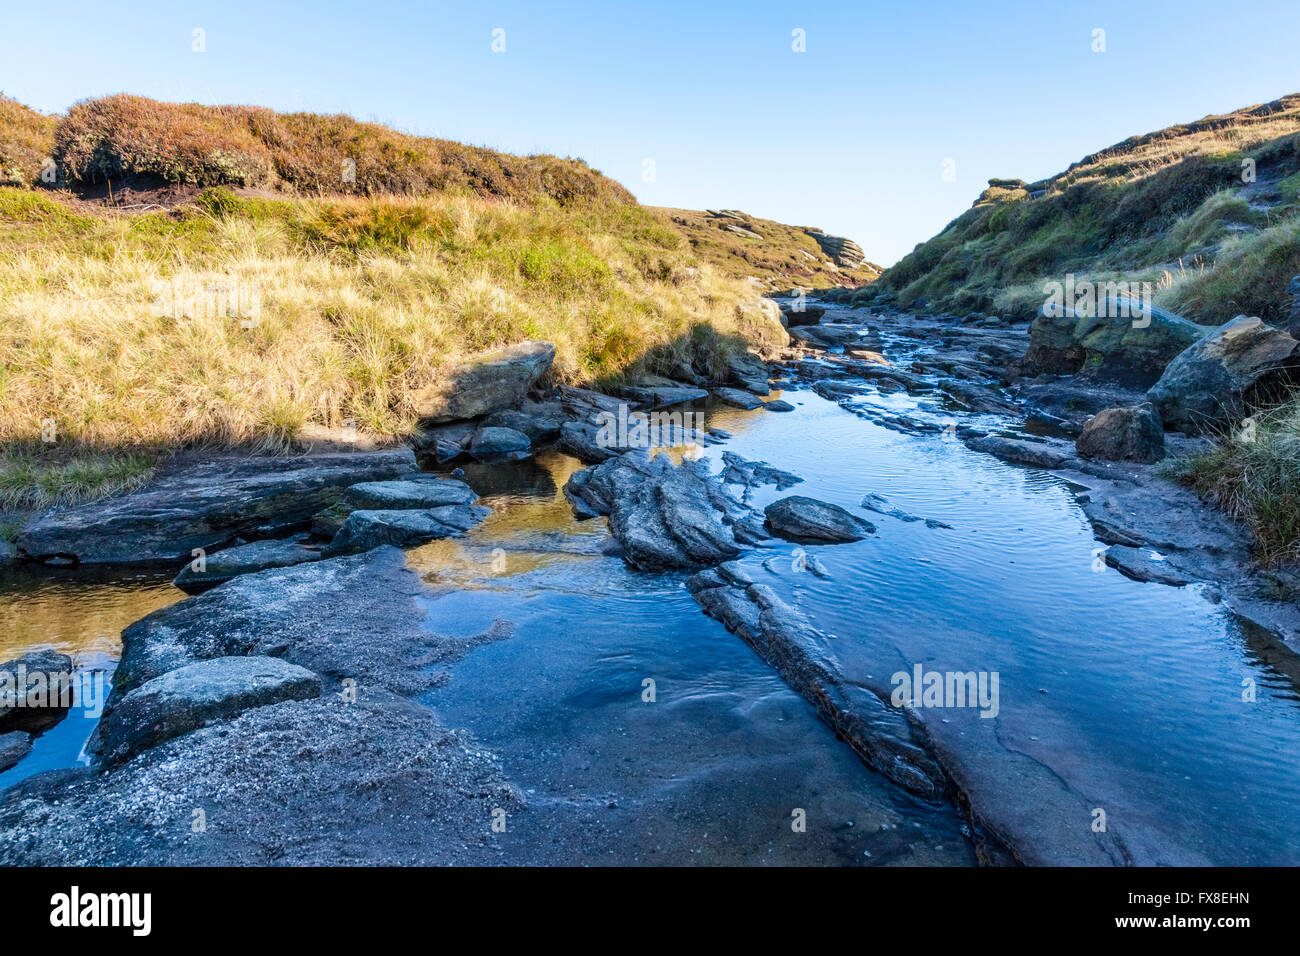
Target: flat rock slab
x,y
808,520
229,563
1020,451
420,491
364,530
205,505
738,398
196,695
662,396
1143,565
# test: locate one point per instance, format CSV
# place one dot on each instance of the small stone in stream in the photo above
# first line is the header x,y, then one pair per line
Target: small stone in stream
x,y
880,504
1142,565
738,398
718,433
364,530
228,563
806,519
195,695
14,746
778,405
1019,451
1123,434
739,471
413,491
37,691
500,444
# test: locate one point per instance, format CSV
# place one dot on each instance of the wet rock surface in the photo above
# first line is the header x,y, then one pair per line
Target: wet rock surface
x,y
664,516
228,563
797,518
205,504
195,695
363,530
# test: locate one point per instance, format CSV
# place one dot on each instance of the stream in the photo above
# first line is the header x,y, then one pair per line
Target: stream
x,y
1112,694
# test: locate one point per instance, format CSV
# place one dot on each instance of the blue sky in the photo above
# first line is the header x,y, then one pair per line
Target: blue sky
x,y
850,135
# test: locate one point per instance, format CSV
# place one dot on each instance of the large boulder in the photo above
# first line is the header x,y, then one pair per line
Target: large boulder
x,y
1123,434
664,515
795,316
1118,350
486,383
206,505
1223,373
215,569
797,518
195,695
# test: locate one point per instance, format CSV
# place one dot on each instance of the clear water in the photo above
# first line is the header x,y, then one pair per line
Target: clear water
x,y
1131,692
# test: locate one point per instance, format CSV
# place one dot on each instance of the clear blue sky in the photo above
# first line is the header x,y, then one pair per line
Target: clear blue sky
x,y
850,135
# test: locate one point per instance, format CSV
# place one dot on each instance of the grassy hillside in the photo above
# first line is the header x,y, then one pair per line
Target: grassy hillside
x,y
1169,207
134,332
26,140
781,256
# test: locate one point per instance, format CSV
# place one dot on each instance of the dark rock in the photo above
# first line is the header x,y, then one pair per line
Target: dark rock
x,y
795,316
1108,349
1123,434
662,396
14,746
486,383
195,695
412,491
880,505
35,691
749,372
227,563
1218,377
494,443
976,398
539,421
1021,451
1144,566
778,405
824,336
738,398
751,474
663,516
364,530
205,505
797,518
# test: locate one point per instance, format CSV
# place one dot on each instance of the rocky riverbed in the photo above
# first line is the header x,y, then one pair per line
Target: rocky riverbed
x,y
536,638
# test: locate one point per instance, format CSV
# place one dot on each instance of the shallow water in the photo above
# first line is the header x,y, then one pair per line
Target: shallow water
x,y
1131,692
